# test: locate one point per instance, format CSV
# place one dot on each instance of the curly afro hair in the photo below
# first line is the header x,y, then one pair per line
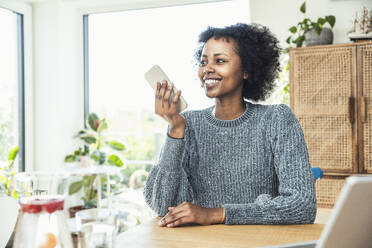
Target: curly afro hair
x,y
259,52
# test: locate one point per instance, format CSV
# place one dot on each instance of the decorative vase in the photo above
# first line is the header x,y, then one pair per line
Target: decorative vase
x,y
325,37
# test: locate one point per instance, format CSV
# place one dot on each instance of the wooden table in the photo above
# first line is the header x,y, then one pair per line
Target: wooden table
x,y
150,235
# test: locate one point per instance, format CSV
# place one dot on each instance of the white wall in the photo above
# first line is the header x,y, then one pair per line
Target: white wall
x,y
58,83
279,16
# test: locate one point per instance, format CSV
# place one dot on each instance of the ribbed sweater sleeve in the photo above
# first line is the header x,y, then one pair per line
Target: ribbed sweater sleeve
x,y
295,202
167,184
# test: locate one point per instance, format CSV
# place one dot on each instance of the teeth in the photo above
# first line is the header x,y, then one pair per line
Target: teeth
x,y
211,81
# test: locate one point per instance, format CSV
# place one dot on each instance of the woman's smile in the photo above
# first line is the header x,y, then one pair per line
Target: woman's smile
x,y
212,82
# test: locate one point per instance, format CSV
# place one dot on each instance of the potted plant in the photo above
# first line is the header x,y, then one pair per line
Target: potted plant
x,y
311,32
306,32
97,150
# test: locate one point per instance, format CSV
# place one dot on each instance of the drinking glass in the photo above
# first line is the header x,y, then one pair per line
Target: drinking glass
x,y
97,227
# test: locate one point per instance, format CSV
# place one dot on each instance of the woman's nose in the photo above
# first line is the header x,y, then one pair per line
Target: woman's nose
x,y
208,68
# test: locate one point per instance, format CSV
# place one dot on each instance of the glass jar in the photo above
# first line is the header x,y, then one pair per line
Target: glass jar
x,y
43,220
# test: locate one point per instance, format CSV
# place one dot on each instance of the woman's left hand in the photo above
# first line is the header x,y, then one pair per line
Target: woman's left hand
x,y
187,212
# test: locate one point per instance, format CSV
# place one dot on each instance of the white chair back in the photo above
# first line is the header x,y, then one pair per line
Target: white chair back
x,y
8,216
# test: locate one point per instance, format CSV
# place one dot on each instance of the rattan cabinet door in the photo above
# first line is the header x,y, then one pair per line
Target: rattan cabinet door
x,y
327,190
365,106
322,84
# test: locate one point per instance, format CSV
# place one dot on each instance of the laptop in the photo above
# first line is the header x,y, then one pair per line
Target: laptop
x,y
350,223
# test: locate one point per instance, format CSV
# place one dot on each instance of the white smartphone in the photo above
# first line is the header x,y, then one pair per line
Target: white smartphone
x,y
156,74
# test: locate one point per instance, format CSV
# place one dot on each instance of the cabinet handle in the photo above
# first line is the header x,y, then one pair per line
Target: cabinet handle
x,y
351,109
363,109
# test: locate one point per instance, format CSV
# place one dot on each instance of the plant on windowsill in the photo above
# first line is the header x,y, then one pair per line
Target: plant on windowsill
x,y
97,150
6,174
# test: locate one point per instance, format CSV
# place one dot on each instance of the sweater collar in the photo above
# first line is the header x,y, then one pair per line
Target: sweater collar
x,y
230,123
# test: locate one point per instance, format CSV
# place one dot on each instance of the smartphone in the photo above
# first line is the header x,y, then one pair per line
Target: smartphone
x,y
156,74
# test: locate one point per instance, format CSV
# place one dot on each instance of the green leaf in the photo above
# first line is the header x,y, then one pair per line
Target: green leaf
x,y
88,180
116,145
303,8
306,29
299,41
92,117
89,139
13,153
14,194
99,156
287,67
70,158
81,152
288,40
80,133
102,125
321,21
293,29
318,29
115,160
75,187
77,152
331,20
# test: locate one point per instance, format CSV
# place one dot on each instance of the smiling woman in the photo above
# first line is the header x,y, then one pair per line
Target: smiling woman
x,y
235,162
123,45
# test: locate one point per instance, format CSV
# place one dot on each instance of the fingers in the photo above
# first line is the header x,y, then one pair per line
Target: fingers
x,y
180,221
167,95
163,107
157,93
176,99
158,102
160,107
177,216
171,217
163,89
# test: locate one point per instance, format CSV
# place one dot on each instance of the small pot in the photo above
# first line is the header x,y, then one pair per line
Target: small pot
x,y
312,38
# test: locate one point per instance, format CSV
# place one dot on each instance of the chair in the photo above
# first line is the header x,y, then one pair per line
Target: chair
x,y
8,217
318,173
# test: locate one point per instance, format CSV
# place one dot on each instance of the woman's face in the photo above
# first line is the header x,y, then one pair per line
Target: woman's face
x,y
220,70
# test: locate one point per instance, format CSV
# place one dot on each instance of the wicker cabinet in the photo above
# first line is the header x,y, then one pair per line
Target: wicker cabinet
x,y
331,95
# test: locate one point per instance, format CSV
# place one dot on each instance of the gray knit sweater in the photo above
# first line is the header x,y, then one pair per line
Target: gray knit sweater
x,y
256,165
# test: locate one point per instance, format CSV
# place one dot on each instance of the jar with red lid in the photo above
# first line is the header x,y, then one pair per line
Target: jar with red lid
x,y
43,219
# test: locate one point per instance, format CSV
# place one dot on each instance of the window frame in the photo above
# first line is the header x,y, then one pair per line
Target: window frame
x,y
25,75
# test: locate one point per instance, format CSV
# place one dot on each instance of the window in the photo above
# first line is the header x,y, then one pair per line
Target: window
x,y
124,45
11,86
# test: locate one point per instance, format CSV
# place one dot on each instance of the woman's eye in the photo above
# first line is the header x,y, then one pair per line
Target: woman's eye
x,y
202,62
219,61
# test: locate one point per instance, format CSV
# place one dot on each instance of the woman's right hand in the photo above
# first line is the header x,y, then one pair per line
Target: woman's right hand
x,y
169,111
